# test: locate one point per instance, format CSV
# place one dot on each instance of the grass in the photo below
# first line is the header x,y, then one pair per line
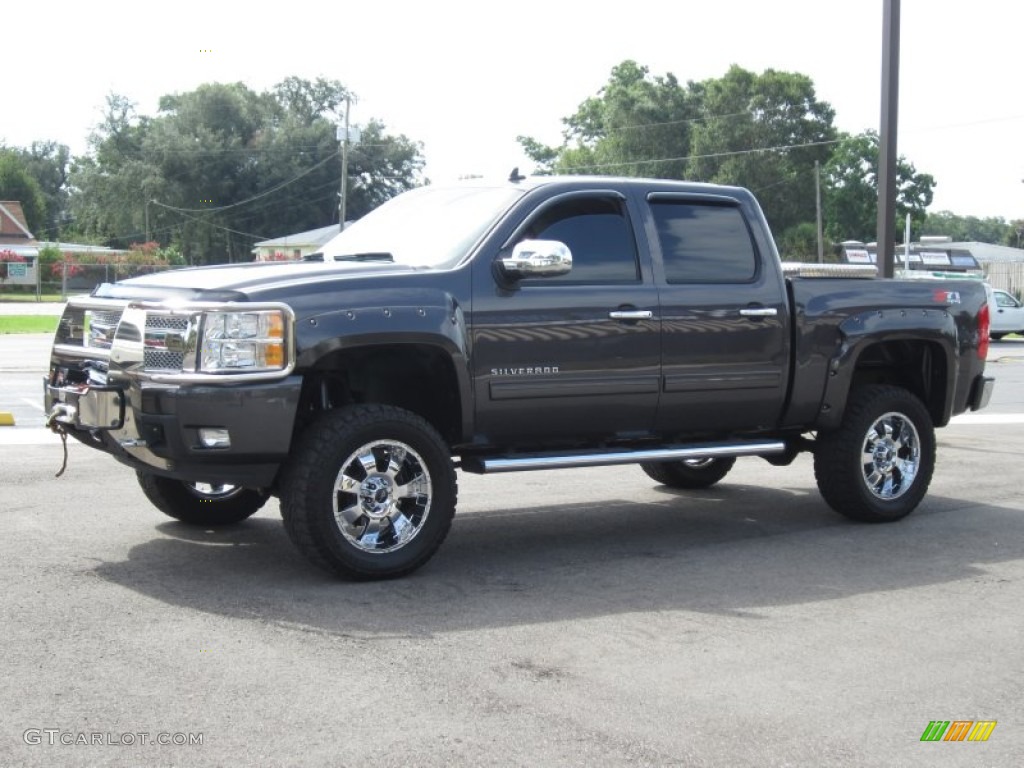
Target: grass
x,y
12,297
28,323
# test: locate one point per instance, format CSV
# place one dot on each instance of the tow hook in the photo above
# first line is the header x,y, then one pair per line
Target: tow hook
x,y
60,416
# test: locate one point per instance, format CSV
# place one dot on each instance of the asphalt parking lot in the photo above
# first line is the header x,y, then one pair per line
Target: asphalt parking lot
x,y
584,617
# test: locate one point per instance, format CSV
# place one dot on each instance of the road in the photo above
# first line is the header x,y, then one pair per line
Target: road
x,y
576,618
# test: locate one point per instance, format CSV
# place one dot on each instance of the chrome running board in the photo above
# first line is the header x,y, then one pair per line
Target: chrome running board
x,y
519,463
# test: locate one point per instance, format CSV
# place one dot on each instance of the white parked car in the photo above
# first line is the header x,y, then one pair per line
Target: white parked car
x,y
1007,313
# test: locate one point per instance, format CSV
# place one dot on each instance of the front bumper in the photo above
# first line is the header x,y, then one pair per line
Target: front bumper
x,y
158,429
101,392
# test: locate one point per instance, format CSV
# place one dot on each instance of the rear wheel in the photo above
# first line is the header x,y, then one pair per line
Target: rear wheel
x,y
369,492
689,473
877,466
200,503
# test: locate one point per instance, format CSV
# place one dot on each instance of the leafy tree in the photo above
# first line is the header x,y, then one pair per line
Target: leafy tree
x,y
992,229
110,184
636,125
765,131
1015,234
850,190
223,166
380,166
48,163
800,243
306,100
16,183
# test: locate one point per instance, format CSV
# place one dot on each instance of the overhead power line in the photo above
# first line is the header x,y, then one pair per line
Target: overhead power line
x,y
218,226
733,153
254,197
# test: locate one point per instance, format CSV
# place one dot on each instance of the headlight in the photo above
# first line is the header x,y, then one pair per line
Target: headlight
x,y
244,341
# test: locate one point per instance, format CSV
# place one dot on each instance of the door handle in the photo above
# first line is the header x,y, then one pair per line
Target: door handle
x,y
759,312
631,314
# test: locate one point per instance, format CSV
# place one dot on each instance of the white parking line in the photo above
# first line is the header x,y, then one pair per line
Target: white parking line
x,y
29,436
988,418
38,406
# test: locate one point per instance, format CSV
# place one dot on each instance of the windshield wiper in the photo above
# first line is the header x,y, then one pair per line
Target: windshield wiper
x,y
368,256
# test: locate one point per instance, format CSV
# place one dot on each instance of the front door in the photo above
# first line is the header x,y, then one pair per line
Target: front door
x,y
575,356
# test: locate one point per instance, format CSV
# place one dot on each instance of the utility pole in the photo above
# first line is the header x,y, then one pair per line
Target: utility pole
x,y
147,220
817,202
887,136
343,194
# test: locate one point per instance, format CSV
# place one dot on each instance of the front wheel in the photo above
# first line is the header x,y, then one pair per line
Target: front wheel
x,y
877,466
369,492
200,503
689,473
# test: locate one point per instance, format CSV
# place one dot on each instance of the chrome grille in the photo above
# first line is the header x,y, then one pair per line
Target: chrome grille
x,y
162,359
165,323
158,355
102,325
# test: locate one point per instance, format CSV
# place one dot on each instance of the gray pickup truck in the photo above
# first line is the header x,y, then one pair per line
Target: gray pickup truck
x,y
519,325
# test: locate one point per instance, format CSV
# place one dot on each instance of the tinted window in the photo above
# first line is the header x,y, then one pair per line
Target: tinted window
x,y
704,243
599,237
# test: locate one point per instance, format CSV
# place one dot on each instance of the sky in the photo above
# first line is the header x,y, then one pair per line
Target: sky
x,y
467,78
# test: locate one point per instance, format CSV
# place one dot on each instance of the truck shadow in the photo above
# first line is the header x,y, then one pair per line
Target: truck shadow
x,y
732,550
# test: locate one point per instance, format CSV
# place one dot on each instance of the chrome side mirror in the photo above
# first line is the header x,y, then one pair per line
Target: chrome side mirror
x,y
538,258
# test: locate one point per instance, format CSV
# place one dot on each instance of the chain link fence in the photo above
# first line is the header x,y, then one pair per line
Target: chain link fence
x,y
66,277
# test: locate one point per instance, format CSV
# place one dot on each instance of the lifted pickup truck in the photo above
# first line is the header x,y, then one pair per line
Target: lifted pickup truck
x,y
529,324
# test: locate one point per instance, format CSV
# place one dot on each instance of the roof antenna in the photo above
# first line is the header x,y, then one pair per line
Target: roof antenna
x,y
514,176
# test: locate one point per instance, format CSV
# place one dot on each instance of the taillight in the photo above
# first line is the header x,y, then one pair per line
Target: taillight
x,y
984,326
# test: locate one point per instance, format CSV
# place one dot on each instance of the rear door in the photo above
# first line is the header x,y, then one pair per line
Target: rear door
x,y
725,324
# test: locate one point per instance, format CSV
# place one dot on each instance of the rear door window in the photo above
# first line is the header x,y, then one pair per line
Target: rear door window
x,y
704,242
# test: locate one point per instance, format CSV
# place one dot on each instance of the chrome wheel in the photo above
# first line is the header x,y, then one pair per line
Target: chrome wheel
x,y
891,456
698,463
369,491
215,492
201,503
876,467
688,474
382,496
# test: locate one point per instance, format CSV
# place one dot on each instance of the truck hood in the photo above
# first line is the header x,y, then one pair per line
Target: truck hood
x,y
237,282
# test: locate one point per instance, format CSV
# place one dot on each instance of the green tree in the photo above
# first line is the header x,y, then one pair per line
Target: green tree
x,y
225,166
1015,234
991,229
636,125
109,185
850,190
48,163
380,166
765,132
17,184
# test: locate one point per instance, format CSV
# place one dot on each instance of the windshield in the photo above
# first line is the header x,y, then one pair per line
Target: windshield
x,y
427,227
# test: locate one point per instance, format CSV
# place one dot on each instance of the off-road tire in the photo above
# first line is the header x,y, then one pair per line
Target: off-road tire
x,y
200,504
336,492
876,467
690,474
